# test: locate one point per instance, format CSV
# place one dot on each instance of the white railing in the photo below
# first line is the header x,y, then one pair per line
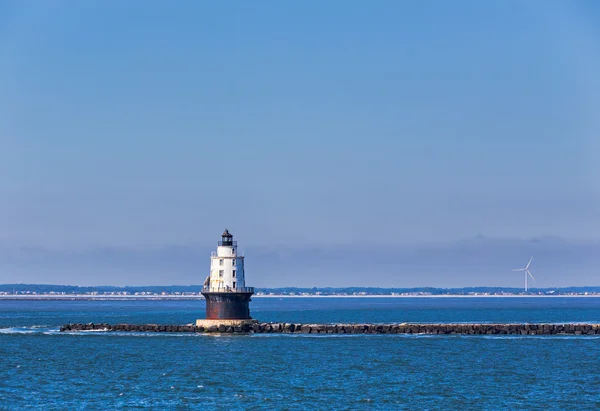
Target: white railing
x,y
238,254
228,290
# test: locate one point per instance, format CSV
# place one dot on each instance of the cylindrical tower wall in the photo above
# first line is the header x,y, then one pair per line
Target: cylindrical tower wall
x,y
227,250
227,306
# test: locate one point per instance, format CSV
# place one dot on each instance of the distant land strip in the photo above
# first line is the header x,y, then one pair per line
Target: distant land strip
x,y
192,292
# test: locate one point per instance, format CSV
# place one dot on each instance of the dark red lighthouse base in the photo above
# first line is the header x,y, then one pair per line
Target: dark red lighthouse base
x,y
227,305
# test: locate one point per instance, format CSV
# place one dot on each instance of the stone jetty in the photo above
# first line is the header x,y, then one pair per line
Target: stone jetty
x,y
403,328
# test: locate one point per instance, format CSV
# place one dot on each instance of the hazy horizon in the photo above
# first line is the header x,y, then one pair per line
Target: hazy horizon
x,y
475,261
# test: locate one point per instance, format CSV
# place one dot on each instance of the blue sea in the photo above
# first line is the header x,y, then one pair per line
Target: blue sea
x,y
41,368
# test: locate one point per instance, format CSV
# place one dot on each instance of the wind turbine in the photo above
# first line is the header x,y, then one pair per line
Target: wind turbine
x,y
527,272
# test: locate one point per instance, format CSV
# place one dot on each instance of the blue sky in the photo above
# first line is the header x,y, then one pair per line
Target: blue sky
x,y
297,123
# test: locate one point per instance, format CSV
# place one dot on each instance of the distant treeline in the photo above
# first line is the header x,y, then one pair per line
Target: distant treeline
x,y
424,290
171,289
74,289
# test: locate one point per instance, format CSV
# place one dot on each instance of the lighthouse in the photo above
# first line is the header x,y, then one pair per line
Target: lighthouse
x,y
225,291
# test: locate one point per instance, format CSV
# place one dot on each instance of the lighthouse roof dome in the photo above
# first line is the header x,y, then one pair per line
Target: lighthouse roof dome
x,y
226,233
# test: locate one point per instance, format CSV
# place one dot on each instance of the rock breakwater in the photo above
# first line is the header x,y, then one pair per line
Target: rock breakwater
x,y
403,328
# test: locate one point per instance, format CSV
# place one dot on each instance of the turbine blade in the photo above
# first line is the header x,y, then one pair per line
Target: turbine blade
x,y
529,262
519,269
531,275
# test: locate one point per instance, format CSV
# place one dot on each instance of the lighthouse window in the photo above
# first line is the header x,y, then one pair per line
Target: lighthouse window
x,y
221,273
221,262
233,273
234,261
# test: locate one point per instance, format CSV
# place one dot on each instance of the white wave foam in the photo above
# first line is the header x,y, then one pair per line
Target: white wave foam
x,y
541,337
16,330
99,330
44,330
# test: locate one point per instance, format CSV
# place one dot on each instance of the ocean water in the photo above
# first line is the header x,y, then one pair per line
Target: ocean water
x,y
43,369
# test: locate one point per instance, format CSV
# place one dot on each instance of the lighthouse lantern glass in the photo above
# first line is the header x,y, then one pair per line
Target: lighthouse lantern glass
x,y
226,239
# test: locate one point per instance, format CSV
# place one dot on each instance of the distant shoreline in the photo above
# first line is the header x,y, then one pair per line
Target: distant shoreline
x,y
194,298
426,296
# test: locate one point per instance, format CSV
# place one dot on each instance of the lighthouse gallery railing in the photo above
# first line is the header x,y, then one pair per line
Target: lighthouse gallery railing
x,y
228,290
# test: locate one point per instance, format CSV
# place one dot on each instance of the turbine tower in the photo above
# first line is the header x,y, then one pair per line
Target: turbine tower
x,y
527,273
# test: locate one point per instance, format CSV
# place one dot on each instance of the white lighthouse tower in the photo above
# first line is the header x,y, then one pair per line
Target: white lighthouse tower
x,y
226,266
225,291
